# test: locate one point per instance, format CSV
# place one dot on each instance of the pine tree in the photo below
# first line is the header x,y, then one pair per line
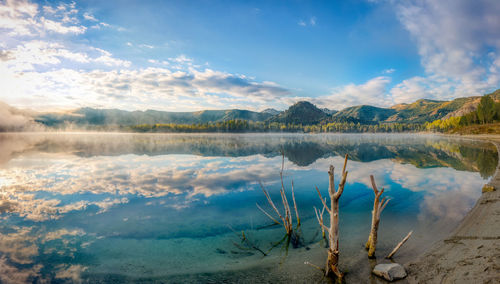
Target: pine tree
x,y
486,109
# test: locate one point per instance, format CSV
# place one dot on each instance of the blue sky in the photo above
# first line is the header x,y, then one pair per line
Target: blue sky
x,y
192,55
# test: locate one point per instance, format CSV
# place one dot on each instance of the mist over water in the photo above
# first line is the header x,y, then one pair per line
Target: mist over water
x,y
17,120
135,207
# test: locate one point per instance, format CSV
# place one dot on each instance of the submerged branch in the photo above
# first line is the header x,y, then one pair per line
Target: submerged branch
x,y
399,245
267,214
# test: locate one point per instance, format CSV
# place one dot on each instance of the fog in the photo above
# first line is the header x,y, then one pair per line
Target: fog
x,y
12,119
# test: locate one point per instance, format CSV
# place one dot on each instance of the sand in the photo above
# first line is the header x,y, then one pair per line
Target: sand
x,y
471,254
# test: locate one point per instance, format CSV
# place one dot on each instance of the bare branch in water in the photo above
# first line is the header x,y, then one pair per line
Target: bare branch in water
x,y
267,214
378,207
399,245
286,218
323,201
248,244
333,230
295,206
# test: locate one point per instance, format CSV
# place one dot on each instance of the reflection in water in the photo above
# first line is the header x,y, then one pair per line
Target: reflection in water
x,y
302,150
157,207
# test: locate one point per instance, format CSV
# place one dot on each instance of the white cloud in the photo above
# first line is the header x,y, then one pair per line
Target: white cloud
x,y
192,88
24,57
458,43
312,21
410,90
181,59
59,27
89,17
29,55
108,60
147,46
17,17
41,72
388,71
100,25
154,61
454,40
25,18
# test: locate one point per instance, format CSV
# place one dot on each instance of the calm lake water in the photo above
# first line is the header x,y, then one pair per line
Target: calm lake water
x,y
171,208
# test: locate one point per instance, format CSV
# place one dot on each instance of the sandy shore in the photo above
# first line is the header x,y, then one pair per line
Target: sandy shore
x,y
471,254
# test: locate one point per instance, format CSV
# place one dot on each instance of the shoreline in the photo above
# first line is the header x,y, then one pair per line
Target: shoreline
x,y
471,253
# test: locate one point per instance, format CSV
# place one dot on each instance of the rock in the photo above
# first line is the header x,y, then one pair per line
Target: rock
x,y
390,271
488,188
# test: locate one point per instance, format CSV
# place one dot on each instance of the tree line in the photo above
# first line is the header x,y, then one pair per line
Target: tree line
x,y
488,111
239,125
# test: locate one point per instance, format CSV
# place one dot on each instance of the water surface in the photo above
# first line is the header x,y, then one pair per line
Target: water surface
x,y
171,208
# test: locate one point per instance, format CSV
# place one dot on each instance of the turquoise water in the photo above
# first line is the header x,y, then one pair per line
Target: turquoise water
x,y
171,208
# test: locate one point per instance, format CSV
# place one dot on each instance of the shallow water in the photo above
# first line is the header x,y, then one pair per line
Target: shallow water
x,y
171,208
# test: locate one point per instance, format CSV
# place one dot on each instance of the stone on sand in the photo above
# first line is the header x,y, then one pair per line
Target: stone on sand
x,y
390,271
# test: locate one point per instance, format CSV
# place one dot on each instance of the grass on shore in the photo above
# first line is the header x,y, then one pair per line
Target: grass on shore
x,y
491,128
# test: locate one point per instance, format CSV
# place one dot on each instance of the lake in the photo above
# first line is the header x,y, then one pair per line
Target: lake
x,y
115,208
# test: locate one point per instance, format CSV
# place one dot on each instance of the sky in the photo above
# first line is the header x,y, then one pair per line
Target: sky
x,y
210,54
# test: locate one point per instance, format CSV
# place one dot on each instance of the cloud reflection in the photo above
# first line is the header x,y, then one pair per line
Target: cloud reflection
x,y
20,248
47,187
34,186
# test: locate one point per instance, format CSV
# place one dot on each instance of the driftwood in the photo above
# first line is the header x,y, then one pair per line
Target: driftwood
x,y
333,231
378,207
285,219
399,245
246,244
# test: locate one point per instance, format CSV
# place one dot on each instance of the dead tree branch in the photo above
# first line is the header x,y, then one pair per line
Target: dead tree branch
x,y
378,207
286,218
333,230
399,245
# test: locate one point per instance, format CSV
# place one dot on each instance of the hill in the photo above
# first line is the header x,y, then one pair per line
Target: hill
x,y
363,114
425,110
329,111
421,111
271,111
103,117
302,112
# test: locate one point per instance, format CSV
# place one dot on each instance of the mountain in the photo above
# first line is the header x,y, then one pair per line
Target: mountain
x,y
421,111
428,110
363,114
271,111
425,110
417,112
102,117
302,112
471,104
245,115
329,111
